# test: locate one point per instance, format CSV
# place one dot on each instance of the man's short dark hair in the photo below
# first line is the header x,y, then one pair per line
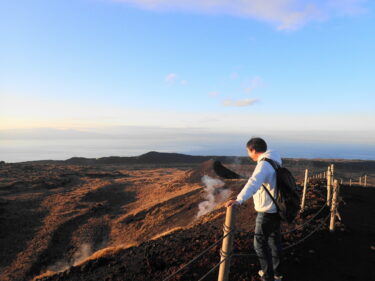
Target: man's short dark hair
x,y
258,144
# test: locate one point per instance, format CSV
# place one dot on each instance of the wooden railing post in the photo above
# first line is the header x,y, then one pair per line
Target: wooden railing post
x,y
329,185
350,182
334,206
360,180
365,183
226,249
304,190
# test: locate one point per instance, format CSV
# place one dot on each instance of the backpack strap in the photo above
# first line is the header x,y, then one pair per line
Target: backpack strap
x,y
273,199
276,166
273,163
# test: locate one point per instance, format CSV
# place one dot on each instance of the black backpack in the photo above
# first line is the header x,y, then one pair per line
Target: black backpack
x,y
287,199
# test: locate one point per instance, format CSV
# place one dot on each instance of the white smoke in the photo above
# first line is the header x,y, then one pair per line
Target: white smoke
x,y
83,252
59,266
215,194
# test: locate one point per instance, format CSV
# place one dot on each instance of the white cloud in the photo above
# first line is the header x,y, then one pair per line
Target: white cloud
x,y
170,77
233,75
115,129
255,82
29,112
36,144
347,7
173,78
284,14
213,94
239,103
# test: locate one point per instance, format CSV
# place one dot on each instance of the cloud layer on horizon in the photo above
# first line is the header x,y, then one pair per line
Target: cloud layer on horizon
x,y
36,144
239,103
284,14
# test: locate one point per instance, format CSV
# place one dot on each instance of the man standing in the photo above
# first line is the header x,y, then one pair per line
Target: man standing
x,y
267,239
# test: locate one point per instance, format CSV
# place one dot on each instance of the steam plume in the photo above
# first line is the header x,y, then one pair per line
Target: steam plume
x,y
84,252
81,254
214,194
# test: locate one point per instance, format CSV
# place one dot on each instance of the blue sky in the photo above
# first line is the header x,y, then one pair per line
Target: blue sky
x,y
291,71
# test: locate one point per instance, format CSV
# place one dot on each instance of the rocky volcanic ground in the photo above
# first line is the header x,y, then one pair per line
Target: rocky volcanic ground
x,y
106,222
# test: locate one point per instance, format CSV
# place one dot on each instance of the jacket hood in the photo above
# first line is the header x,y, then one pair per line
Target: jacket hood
x,y
271,154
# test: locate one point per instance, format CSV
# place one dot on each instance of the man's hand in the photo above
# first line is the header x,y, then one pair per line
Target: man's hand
x,y
231,203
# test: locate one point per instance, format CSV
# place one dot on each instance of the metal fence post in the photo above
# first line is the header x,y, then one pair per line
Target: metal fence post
x,y
304,190
226,249
334,206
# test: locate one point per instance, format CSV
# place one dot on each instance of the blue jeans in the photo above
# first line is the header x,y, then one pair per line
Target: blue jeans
x,y
267,244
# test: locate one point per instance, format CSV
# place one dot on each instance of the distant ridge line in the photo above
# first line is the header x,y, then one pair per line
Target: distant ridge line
x,y
164,158
151,157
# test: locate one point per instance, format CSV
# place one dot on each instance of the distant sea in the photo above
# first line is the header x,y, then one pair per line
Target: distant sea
x,y
28,150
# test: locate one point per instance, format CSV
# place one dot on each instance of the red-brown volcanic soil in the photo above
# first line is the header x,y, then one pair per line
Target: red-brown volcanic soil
x,y
113,222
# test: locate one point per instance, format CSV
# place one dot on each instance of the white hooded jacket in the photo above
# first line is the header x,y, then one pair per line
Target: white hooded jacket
x,y
265,174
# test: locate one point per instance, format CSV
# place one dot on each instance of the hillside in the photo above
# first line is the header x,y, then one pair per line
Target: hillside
x,y
324,256
126,220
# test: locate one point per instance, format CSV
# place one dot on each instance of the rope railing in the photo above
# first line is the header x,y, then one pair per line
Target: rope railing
x,y
200,254
294,244
225,255
363,180
254,255
311,233
304,224
228,230
307,222
317,175
216,266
